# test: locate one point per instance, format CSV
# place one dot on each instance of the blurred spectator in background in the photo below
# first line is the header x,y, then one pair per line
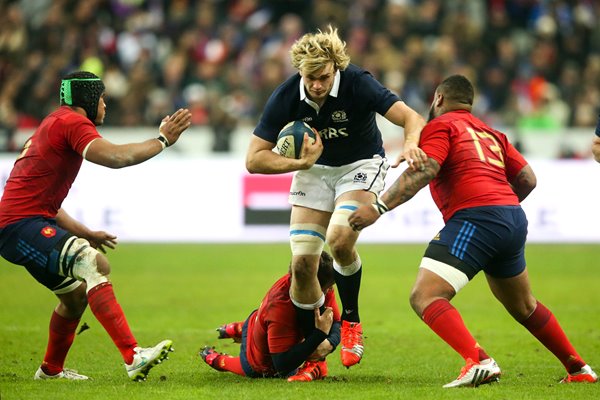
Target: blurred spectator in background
x,y
536,63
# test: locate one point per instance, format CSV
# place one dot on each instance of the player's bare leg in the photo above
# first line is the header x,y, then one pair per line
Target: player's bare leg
x,y
341,239
307,239
515,294
63,325
430,298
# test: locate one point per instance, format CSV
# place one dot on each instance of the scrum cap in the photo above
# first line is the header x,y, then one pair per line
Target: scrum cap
x,y
82,89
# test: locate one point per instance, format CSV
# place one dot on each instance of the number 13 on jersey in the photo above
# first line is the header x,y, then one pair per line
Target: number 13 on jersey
x,y
482,140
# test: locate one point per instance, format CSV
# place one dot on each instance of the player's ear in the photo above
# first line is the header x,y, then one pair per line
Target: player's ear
x,y
438,99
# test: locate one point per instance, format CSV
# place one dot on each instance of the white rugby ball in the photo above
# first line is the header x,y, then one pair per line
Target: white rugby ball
x,y
291,138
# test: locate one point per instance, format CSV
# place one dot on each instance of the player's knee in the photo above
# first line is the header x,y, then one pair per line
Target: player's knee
x,y
304,268
73,304
521,310
341,248
102,264
81,261
417,301
303,275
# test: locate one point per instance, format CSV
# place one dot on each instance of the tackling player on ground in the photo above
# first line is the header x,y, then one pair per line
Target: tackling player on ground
x,y
344,168
477,180
272,342
60,252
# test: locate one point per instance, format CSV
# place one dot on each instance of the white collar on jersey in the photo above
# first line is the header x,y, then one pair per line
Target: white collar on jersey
x,y
334,89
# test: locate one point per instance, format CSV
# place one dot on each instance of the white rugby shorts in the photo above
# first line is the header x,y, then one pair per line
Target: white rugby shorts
x,y
319,186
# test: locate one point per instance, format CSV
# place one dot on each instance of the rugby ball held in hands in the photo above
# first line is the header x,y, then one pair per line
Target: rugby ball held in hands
x,y
291,138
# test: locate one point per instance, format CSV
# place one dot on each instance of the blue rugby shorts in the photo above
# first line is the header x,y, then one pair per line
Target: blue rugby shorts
x,y
36,243
490,239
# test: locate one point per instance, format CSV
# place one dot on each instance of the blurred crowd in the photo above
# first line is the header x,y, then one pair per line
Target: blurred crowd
x,y
535,63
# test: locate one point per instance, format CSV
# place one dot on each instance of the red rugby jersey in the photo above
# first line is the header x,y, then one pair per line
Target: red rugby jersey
x,y
477,163
274,327
46,168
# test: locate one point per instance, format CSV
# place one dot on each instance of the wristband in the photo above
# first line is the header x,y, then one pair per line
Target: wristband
x,y
598,127
163,141
380,206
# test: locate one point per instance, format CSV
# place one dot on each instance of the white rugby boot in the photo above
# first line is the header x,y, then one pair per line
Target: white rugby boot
x,y
474,374
147,357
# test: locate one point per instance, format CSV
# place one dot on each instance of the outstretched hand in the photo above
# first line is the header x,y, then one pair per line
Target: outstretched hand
x,y
171,127
99,239
413,155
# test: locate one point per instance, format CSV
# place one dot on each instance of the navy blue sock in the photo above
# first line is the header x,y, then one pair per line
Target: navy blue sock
x,y
348,289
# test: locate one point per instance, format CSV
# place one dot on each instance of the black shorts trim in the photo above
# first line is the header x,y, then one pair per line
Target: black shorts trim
x,y
439,252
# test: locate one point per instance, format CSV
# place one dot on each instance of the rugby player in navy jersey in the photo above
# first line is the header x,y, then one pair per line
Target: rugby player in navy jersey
x,y
596,142
344,168
60,252
485,230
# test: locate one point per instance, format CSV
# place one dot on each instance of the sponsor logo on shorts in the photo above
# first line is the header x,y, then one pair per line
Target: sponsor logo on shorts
x,y
298,193
436,237
361,177
48,231
307,119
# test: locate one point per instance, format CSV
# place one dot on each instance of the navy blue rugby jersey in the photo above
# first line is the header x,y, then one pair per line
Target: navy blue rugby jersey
x,y
346,122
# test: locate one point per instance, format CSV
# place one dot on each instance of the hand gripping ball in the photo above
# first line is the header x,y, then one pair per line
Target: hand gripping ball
x,y
291,138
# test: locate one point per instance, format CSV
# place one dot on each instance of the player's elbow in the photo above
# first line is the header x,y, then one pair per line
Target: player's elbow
x,y
252,163
526,189
121,163
596,150
282,364
524,183
119,160
250,166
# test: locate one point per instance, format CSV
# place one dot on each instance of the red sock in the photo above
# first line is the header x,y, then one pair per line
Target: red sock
x,y
60,338
108,312
543,325
445,320
228,363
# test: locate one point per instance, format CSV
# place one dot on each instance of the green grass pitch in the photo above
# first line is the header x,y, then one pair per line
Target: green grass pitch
x,y
184,291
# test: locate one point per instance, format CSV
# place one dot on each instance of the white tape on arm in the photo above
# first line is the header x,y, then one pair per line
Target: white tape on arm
x,y
380,206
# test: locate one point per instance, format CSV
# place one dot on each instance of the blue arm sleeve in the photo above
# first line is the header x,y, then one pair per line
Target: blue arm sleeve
x,y
334,334
598,127
288,361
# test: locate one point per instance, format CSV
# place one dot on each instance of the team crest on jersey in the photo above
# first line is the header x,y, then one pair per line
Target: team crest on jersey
x,y
339,116
361,177
48,231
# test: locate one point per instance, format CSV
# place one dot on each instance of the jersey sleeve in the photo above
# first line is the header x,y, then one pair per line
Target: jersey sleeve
x,y
514,160
435,141
80,133
376,96
272,119
282,332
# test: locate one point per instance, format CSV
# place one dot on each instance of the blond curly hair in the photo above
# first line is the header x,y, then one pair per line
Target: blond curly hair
x,y
314,51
